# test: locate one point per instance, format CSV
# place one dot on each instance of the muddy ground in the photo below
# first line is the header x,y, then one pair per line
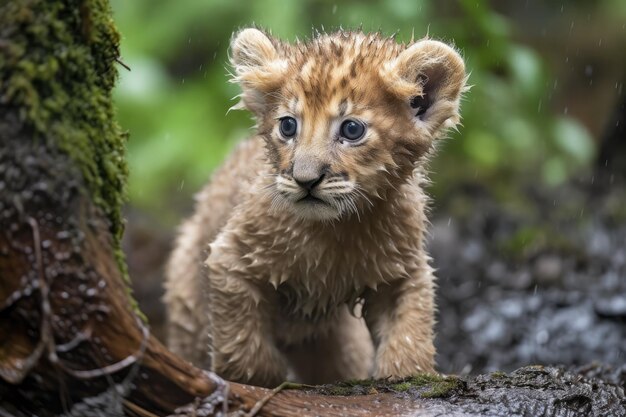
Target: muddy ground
x,y
538,280
526,276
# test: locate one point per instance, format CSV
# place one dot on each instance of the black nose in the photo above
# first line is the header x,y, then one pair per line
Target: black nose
x,y
309,183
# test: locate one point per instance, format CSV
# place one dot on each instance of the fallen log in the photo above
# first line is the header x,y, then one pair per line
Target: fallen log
x,y
72,341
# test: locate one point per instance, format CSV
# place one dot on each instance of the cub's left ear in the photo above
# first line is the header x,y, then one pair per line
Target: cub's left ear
x,y
430,77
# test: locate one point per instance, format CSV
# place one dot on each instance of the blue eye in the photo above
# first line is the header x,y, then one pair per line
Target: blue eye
x,y
352,130
288,127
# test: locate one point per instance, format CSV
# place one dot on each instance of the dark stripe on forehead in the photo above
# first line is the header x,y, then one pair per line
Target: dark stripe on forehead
x,y
353,68
343,106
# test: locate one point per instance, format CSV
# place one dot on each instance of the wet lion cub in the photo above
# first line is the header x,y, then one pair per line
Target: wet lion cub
x,y
305,257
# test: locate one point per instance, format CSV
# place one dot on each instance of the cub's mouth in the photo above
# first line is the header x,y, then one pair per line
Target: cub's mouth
x,y
328,200
311,199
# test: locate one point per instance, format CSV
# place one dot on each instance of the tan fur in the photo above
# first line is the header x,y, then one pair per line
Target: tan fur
x,y
286,281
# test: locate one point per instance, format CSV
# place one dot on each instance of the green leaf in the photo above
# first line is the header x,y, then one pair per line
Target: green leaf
x,y
573,139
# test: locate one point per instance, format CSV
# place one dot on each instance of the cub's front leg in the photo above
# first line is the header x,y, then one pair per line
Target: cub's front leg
x,y
400,316
242,345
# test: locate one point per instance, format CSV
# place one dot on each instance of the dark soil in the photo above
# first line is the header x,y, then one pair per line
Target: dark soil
x,y
537,391
539,280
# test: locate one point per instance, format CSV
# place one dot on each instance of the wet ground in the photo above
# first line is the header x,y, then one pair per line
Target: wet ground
x,y
539,280
531,276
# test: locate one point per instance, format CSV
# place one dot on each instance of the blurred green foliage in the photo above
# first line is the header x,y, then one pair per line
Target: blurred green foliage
x,y
174,102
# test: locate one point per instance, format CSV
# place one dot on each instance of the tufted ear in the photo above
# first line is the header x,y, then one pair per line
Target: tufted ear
x,y
259,68
430,77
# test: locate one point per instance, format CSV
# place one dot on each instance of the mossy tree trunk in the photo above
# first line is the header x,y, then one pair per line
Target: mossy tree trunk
x,y
72,342
68,327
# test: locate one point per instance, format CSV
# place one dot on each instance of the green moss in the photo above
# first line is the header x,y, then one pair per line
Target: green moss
x,y
443,388
427,385
351,387
57,72
402,386
339,390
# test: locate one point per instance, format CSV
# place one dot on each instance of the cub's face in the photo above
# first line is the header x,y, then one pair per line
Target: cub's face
x,y
346,116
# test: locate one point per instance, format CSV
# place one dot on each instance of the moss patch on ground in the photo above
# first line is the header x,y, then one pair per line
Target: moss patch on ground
x,y
425,385
430,386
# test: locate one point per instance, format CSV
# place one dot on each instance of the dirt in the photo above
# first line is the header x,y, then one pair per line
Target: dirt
x,y
537,391
541,280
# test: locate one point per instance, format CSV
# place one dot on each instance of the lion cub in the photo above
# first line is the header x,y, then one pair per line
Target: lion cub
x,y
305,257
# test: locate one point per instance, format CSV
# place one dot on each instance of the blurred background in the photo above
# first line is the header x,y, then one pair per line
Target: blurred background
x,y
529,208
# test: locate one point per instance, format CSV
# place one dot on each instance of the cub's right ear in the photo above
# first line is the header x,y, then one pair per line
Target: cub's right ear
x,y
259,68
430,77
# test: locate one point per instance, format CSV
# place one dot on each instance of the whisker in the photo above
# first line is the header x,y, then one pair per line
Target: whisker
x,y
333,180
359,191
268,186
338,188
278,203
356,208
353,206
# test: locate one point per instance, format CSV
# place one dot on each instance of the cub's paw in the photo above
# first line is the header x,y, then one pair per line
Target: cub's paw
x,y
397,364
265,367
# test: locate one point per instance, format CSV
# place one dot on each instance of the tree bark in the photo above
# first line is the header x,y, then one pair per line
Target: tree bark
x,y
72,341
611,159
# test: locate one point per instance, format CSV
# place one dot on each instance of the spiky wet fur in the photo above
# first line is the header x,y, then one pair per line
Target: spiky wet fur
x,y
261,287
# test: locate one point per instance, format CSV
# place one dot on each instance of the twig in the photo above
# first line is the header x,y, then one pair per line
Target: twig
x,y
285,385
82,336
47,339
208,406
119,61
221,387
138,410
32,359
114,367
15,296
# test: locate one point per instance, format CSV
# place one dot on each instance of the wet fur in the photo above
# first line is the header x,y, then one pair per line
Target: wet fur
x,y
262,287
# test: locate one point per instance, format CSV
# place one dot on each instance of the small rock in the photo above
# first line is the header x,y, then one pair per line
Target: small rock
x,y
614,306
548,269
